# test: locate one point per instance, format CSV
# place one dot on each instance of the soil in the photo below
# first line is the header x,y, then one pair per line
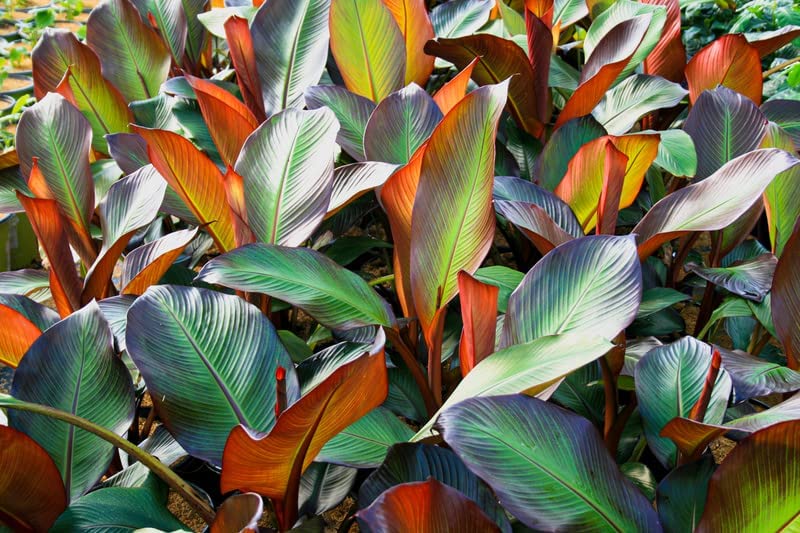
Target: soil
x,y
13,83
720,449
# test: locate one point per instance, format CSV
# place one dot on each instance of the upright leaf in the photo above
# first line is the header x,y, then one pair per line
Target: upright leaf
x,y
457,170
31,492
785,301
551,166
290,39
243,59
668,58
728,61
69,367
351,110
334,296
454,90
460,17
287,168
365,40
562,479
133,56
412,19
479,314
782,195
681,495
184,340
713,203
145,265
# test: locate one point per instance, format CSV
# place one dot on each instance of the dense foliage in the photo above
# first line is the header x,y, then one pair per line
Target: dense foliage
x,y
463,265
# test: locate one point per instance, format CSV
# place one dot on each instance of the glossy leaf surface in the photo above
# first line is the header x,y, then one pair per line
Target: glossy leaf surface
x,y
729,61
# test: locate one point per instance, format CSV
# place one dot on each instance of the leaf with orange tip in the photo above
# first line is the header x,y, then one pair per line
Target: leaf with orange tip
x,y
415,25
397,198
608,60
730,61
61,62
16,337
534,222
479,314
238,513
271,465
32,494
365,41
457,171
131,204
234,191
196,180
500,59
668,58
46,221
611,194
766,42
243,58
690,436
228,120
454,90
145,265
424,507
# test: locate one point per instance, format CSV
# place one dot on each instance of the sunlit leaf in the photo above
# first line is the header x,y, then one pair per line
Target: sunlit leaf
x,y
145,265
634,97
729,61
782,195
412,19
478,313
351,110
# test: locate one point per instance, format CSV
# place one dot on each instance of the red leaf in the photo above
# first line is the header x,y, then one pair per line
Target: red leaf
x,y
243,57
540,50
613,179
16,336
454,90
730,61
668,58
479,314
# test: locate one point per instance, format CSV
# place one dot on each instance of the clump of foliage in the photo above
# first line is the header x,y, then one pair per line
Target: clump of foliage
x,y
431,258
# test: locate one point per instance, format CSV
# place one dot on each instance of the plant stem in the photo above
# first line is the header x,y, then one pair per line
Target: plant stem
x,y
612,440
610,389
707,305
152,463
383,279
778,68
407,355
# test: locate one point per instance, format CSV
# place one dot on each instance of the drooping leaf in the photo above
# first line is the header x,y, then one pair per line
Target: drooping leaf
x,y
457,170
238,513
753,377
767,42
563,145
131,203
363,444
196,180
751,491
287,169
323,487
563,479
351,110
668,58
408,463
534,222
27,282
681,495
478,313
459,17
46,222
290,39
786,114
669,382
750,279
500,59
60,137
572,286
400,124
412,19
633,98
58,54
729,61
31,492
183,340
229,120
785,301
782,196
723,125
352,181
609,58
418,506
713,203
365,40
69,367
531,368
132,55
334,296
272,464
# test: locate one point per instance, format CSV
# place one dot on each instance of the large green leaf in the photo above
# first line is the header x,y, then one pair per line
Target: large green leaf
x,y
364,443
334,296
351,110
669,382
547,466
71,367
35,284
460,17
287,168
749,279
531,367
400,124
133,56
713,203
457,171
120,509
290,40
365,41
681,495
633,98
592,285
753,377
786,114
620,11
676,152
506,279
406,463
782,196
185,340
60,137
723,125
753,490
